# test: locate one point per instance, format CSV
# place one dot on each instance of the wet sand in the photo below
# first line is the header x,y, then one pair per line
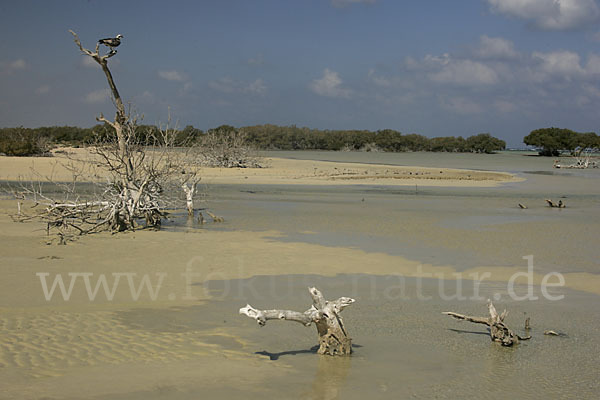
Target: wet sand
x,y
371,242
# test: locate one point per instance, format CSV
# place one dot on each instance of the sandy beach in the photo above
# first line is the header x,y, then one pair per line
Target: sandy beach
x,y
276,171
178,335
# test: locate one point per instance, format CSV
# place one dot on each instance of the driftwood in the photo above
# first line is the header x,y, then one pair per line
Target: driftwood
x,y
499,332
214,217
521,205
333,338
554,333
560,204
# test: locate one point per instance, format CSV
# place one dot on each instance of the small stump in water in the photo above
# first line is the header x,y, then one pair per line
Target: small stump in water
x,y
333,338
499,332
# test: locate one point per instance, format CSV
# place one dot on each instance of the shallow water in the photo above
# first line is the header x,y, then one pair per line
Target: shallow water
x,y
462,227
403,345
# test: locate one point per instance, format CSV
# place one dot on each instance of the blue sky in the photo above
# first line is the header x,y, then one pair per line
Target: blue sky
x,y
434,67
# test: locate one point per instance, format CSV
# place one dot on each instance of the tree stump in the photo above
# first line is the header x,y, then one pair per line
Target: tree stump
x,y
499,332
333,338
189,191
560,204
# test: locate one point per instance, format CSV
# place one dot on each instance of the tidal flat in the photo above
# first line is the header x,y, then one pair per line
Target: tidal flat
x,y
405,252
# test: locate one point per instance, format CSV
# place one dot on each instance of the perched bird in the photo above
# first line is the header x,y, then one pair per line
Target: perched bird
x,y
111,42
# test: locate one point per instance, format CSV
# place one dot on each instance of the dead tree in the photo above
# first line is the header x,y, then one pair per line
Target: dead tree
x,y
499,331
189,186
582,156
227,147
134,189
333,338
134,171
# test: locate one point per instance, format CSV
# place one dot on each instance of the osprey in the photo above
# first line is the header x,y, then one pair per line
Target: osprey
x,y
111,42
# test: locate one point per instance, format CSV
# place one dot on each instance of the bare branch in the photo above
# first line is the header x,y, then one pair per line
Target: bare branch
x,y
477,320
102,119
333,338
83,49
499,332
262,316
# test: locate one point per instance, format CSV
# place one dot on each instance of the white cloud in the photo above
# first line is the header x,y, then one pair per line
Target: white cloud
x,y
42,89
97,96
493,78
224,85
330,85
187,87
550,14
495,48
465,72
257,87
13,66
172,75
228,85
565,64
389,81
592,91
590,95
435,61
592,67
344,3
410,63
379,80
18,64
256,61
147,97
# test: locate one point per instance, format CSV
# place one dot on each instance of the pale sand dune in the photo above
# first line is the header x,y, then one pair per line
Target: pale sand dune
x,y
278,171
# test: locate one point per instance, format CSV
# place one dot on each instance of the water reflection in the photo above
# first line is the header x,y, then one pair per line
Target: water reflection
x,y
330,377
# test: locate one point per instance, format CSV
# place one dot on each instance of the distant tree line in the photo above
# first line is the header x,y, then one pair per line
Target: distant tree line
x,y
21,141
28,141
551,141
273,137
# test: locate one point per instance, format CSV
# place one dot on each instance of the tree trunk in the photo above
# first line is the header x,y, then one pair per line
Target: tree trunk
x,y
189,196
333,338
124,218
